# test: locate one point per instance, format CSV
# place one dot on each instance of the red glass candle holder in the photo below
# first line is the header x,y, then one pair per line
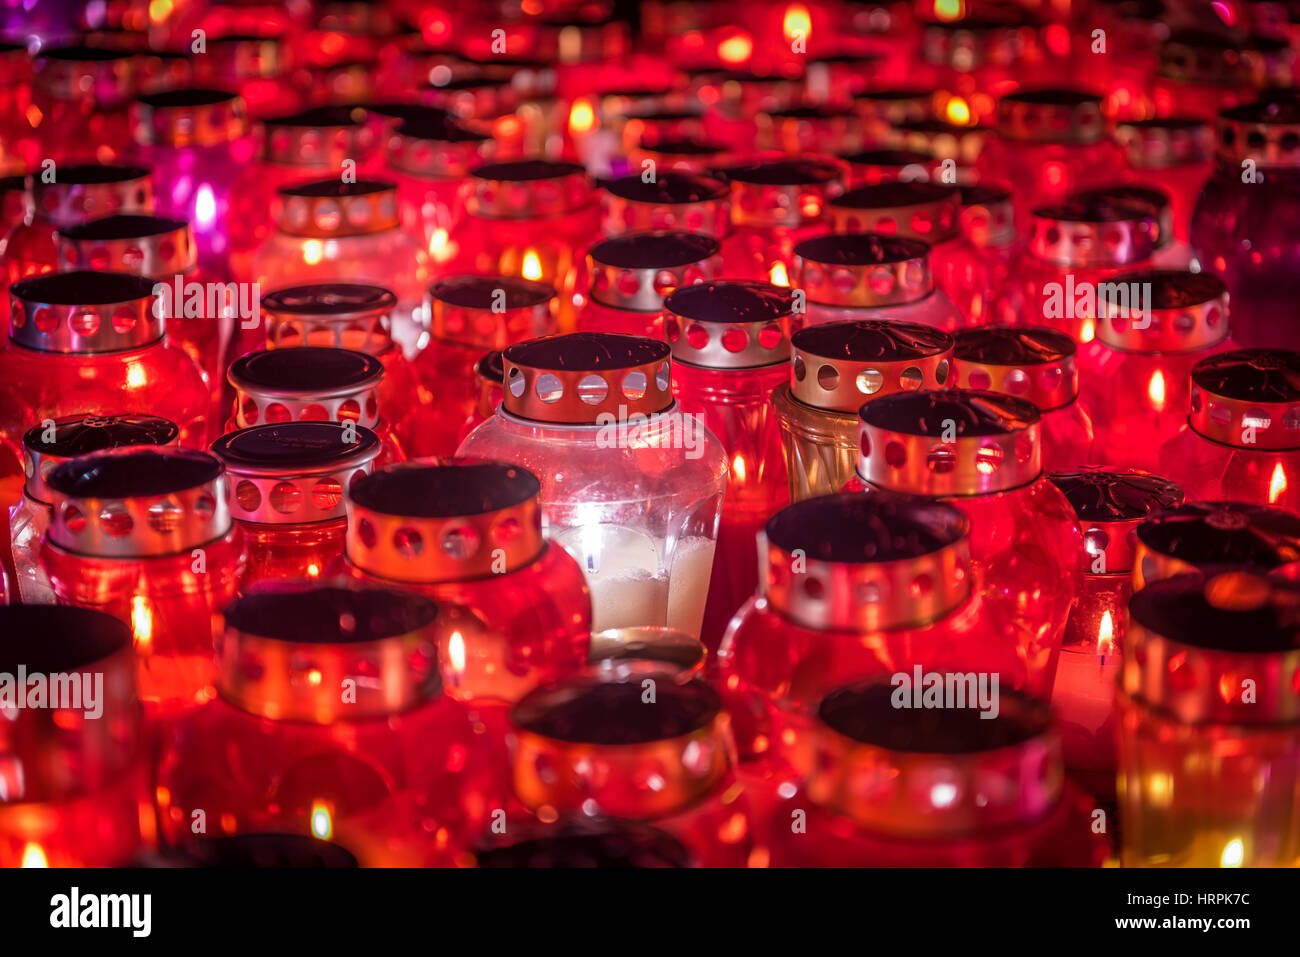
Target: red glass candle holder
x,y
90,340
146,535
1242,438
1200,73
734,98
1073,249
836,367
838,603
1208,750
581,746
1037,365
1182,319
46,446
988,222
1168,253
657,124
631,487
357,317
691,154
468,315
627,278
330,721
489,386
331,231
924,211
871,276
1205,536
1050,143
21,150
957,148
288,483
872,167
810,128
1241,224
974,61
731,348
1110,504
83,95
893,789
672,200
312,384
774,205
74,769
884,109
983,452
256,66
1173,154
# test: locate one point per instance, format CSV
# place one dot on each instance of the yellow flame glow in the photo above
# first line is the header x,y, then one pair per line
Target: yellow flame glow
x,y
958,111
797,22
136,377
142,622
736,49
456,652
1156,389
1277,484
1234,852
582,118
34,856
779,275
949,9
532,268
312,252
322,825
738,467
1106,635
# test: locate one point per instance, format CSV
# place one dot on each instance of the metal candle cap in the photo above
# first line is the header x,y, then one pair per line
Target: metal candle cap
x,y
675,200
870,167
74,435
295,473
325,136
925,211
1248,399
782,192
84,313
238,58
691,154
935,772
890,107
329,209
970,43
489,383
941,140
306,383
854,562
840,365
588,742
137,502
1185,312
181,118
444,520
1197,56
437,151
1267,132
287,650
528,189
1094,231
1051,116
635,271
1151,198
470,98
575,378
1111,503
729,324
342,315
53,754
150,246
1196,639
1027,362
808,129
103,77
863,269
902,446
1204,535
81,193
988,216
1165,142
491,312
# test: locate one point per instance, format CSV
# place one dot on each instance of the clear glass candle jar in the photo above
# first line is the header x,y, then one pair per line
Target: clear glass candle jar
x,y
75,770
942,788
288,483
1034,364
469,314
731,348
146,535
1208,745
1073,249
983,452
330,231
430,161
1174,154
329,721
1242,437
924,211
83,341
583,746
51,443
836,367
1138,370
312,384
1050,143
839,601
357,317
672,200
1110,503
627,277
870,276
775,203
1242,225
631,487
83,94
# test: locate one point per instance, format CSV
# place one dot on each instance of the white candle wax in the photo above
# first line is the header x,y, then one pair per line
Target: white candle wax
x,y
627,585
688,586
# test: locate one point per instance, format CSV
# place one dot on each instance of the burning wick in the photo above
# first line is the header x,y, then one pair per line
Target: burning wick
x,y
1156,390
1277,484
532,268
33,856
1106,637
322,826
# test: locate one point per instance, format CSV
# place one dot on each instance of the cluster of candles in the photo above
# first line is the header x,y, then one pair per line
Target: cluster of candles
x,y
756,434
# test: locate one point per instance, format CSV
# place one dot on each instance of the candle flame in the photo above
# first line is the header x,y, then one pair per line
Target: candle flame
x,y
1234,852
738,467
1277,484
142,622
736,49
582,118
1106,635
136,377
1088,331
205,206
949,9
322,824
312,252
797,22
1156,389
958,111
313,570
160,10
33,856
456,652
532,268
779,275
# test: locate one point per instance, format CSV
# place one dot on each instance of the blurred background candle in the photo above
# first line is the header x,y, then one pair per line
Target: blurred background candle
x,y
1206,535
